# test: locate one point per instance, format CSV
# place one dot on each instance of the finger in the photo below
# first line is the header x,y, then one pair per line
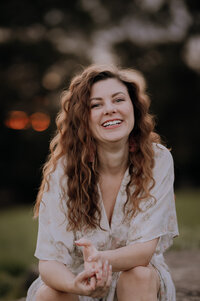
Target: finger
x,y
86,274
109,279
104,269
99,270
93,282
105,272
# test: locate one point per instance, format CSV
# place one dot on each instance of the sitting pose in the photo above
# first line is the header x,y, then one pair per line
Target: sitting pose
x,y
106,203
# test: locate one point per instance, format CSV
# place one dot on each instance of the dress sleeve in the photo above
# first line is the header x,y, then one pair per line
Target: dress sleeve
x,y
53,241
158,217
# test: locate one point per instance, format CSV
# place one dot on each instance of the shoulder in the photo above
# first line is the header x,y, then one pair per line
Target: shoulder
x,y
161,153
163,160
58,170
52,197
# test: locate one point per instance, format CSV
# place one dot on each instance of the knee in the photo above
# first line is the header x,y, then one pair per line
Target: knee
x,y
138,275
45,293
141,282
141,273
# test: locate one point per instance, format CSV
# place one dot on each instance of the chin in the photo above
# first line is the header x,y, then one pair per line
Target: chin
x,y
115,139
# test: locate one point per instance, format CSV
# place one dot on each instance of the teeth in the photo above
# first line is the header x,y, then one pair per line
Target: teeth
x,y
111,123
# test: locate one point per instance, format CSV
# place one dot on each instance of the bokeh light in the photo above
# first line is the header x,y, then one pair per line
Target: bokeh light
x,y
40,121
17,120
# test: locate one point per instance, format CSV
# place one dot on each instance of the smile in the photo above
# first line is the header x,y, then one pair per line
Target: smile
x,y
111,122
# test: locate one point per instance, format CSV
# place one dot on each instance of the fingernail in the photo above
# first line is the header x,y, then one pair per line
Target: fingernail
x,y
110,267
89,258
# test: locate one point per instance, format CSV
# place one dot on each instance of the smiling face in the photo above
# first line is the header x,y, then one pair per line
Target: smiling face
x,y
112,113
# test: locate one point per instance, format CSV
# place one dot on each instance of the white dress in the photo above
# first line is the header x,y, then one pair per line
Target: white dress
x,y
157,220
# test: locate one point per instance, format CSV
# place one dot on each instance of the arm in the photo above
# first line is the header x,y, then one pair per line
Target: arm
x,y
125,258
56,275
122,259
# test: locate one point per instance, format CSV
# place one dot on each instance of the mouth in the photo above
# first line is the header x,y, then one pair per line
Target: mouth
x,y
114,122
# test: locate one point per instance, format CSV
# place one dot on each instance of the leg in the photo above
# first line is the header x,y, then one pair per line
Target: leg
x,y
46,293
138,284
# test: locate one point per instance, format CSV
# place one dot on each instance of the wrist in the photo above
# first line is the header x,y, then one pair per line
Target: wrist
x,y
104,256
72,287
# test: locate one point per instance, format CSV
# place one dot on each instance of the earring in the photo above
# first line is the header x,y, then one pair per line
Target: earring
x,y
131,145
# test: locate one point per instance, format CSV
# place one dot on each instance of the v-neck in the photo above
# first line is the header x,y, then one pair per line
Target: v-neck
x,y
123,183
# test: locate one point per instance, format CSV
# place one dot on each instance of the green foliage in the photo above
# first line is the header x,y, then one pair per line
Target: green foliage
x,y
18,234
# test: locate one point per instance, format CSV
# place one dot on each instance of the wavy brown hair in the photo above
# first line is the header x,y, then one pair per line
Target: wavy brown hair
x,y
74,142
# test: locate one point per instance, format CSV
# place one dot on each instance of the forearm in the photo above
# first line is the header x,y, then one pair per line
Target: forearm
x,y
57,276
128,257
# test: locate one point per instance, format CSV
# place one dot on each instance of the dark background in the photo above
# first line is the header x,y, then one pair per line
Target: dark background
x,y
44,43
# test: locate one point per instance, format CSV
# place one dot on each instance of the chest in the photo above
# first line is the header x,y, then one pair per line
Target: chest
x,y
109,191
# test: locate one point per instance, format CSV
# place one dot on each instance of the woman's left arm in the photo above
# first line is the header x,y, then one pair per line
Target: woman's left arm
x,y
121,259
125,258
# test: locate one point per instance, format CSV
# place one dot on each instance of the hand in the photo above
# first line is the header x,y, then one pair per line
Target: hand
x,y
89,252
96,289
103,276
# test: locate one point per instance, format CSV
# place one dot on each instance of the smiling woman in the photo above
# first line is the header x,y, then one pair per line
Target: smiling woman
x,y
113,110
106,203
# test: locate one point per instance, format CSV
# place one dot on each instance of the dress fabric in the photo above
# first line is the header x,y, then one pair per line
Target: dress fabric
x,y
156,220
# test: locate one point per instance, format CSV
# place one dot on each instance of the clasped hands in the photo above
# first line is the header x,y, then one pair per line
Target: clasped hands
x,y
96,278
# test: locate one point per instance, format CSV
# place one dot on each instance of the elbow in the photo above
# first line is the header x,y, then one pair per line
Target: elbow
x,y
147,259
150,250
42,267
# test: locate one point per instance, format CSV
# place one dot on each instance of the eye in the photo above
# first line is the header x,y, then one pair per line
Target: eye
x,y
95,105
119,99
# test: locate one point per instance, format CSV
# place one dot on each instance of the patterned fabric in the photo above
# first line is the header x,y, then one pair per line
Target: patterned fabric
x,y
157,220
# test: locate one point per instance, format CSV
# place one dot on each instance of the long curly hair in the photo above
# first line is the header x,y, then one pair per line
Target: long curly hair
x,y
74,142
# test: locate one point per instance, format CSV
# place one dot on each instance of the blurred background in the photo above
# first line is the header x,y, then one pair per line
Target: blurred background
x,y
43,44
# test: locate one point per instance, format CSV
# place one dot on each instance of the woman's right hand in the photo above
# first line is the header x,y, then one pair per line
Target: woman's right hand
x,y
86,285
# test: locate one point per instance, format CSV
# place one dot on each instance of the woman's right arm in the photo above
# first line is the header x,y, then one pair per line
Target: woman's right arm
x,y
56,275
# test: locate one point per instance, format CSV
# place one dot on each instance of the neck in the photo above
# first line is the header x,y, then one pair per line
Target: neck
x,y
113,159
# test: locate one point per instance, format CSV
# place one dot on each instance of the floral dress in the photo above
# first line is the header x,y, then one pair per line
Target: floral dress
x,y
157,220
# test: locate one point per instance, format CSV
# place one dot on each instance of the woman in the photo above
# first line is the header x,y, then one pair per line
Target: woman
x,y
106,204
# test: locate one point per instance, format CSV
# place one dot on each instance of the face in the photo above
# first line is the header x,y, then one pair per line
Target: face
x,y
112,112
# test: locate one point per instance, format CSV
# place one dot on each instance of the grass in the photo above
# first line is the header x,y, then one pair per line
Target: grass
x,y
18,234
188,208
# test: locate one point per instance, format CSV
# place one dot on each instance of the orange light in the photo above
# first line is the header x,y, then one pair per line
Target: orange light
x,y
40,121
17,120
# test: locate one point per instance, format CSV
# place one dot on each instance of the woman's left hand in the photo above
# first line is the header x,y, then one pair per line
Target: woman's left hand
x,y
92,257
90,254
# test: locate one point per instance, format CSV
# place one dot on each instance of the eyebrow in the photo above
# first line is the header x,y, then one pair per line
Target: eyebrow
x,y
113,95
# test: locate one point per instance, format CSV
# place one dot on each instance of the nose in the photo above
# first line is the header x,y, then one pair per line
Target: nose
x,y
109,108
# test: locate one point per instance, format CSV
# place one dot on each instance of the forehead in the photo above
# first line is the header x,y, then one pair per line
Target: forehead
x,y
107,87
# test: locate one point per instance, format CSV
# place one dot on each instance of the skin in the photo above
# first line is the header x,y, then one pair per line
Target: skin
x,y
110,101
139,281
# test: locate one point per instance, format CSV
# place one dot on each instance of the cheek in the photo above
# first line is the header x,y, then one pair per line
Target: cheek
x,y
130,112
93,123
131,117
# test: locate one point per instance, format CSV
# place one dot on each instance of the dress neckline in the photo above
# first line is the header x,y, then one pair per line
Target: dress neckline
x,y
123,184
